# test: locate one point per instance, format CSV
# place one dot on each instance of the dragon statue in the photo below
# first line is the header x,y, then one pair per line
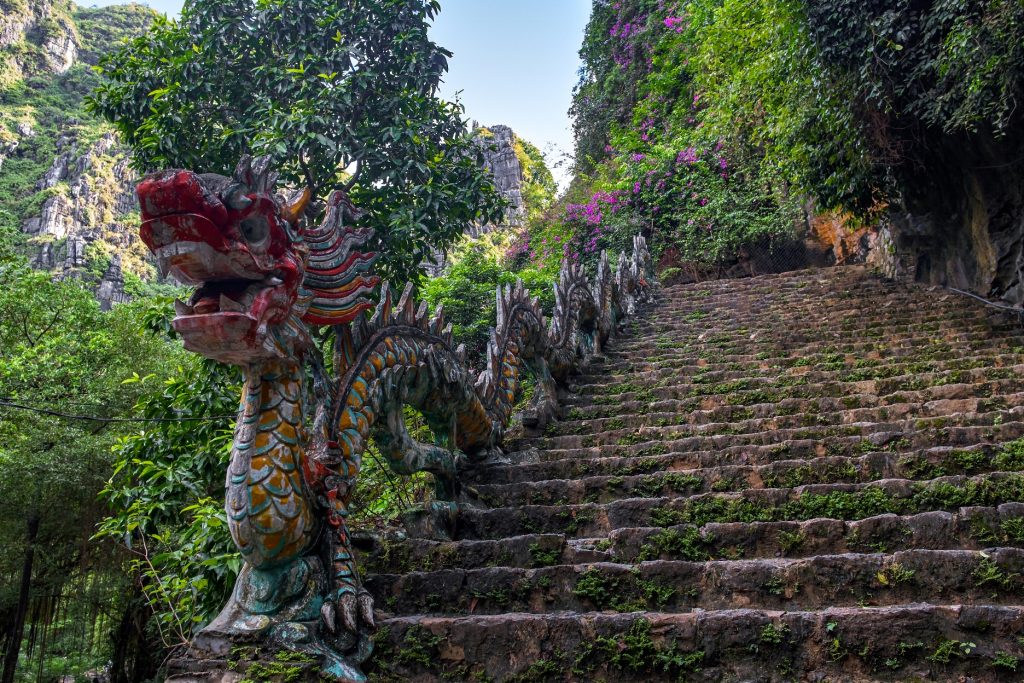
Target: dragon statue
x,y
265,281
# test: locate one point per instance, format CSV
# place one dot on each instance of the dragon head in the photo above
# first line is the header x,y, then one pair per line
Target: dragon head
x,y
260,275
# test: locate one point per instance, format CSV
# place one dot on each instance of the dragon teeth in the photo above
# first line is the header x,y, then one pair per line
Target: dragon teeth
x,y
227,304
181,308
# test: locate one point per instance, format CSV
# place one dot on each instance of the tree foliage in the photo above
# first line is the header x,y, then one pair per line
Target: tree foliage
x,y
467,290
856,105
339,94
60,353
649,155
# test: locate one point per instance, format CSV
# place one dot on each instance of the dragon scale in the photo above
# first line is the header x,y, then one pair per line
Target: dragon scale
x,y
264,277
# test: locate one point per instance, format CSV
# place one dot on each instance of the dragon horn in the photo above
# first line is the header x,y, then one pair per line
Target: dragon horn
x,y
293,210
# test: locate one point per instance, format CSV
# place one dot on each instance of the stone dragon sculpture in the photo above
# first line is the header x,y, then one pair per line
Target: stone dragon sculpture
x,y
266,282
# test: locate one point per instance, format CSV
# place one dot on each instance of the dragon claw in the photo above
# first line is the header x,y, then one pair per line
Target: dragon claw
x,y
348,611
366,609
327,614
353,607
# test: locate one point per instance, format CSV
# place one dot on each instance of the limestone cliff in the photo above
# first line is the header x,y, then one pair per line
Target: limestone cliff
x,y
498,144
66,191
37,36
519,173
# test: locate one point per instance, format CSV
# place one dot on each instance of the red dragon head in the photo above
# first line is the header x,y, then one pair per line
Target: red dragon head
x,y
260,276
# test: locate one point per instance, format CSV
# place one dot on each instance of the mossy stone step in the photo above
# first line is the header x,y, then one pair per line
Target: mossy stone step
x,y
876,579
836,501
849,644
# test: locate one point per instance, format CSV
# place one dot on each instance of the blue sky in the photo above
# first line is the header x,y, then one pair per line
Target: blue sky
x,y
515,62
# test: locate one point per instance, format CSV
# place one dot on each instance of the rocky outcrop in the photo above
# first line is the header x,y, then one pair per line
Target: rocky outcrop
x,y
501,160
17,19
111,288
73,172
46,28
959,218
92,202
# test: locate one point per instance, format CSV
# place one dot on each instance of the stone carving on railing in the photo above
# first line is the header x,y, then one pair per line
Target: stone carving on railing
x,y
263,278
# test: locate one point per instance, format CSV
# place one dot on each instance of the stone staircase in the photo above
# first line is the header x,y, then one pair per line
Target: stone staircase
x,y
811,476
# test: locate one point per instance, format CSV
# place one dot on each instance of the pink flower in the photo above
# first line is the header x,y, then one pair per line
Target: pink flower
x,y
687,156
676,24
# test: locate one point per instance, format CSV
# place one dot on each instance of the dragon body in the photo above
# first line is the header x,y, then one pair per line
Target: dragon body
x,y
265,279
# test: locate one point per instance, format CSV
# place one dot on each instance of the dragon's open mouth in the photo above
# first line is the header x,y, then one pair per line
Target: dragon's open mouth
x,y
235,302
225,296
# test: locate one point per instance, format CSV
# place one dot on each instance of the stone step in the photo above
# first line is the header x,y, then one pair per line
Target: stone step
x,y
835,501
678,349
805,385
838,580
946,642
970,528
788,473
871,364
785,401
743,420
526,466
836,439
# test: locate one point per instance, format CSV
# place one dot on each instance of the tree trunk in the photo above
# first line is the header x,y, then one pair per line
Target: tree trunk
x,y
135,657
18,624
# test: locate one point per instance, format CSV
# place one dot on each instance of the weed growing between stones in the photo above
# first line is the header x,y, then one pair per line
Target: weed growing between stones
x,y
773,634
1006,661
894,575
622,593
636,652
790,541
419,646
989,573
947,649
902,650
683,544
542,557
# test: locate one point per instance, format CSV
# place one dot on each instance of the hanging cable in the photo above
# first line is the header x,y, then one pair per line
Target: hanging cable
x,y
89,418
992,304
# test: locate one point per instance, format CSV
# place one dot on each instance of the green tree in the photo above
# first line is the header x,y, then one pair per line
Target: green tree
x,y
467,291
339,94
59,353
167,492
539,187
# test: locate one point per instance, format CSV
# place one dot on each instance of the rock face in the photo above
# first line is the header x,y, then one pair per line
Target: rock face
x,y
45,24
95,204
963,224
501,160
84,213
809,476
